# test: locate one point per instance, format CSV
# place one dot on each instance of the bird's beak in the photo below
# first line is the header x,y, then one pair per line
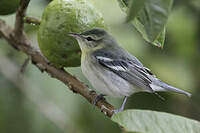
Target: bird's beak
x,y
75,35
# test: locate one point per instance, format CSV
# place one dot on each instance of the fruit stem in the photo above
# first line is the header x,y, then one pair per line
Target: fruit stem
x,y
32,20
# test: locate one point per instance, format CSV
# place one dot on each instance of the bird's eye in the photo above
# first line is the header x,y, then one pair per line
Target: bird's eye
x,y
89,39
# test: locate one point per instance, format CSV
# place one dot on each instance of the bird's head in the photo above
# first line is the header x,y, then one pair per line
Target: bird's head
x,y
93,39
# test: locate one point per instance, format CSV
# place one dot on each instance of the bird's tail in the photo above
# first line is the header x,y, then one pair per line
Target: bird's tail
x,y
161,86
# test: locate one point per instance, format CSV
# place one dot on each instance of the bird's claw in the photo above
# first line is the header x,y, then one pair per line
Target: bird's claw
x,y
117,110
121,108
98,98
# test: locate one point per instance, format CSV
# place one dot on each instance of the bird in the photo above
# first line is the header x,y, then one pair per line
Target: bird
x,y
113,71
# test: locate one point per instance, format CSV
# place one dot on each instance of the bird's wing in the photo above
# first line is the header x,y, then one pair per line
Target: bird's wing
x,y
127,68
131,69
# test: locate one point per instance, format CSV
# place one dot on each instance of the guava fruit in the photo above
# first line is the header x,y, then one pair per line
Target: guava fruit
x,y
59,18
8,6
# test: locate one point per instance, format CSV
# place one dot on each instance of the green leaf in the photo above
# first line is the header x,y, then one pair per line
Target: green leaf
x,y
154,17
149,17
135,7
160,40
144,121
123,4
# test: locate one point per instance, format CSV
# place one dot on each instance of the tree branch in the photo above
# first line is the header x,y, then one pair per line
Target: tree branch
x,y
24,65
18,39
20,14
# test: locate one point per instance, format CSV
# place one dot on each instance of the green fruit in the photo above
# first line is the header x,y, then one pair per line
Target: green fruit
x,y
59,18
8,6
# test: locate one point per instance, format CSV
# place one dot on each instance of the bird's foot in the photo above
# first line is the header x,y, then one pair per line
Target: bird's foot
x,y
118,110
122,106
98,98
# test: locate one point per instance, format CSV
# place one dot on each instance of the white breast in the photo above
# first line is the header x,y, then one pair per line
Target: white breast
x,y
105,81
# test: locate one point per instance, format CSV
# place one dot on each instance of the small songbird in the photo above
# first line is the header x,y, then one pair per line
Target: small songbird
x,y
114,72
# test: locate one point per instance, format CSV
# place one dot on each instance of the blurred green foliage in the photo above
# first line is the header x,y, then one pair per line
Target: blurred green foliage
x,y
178,63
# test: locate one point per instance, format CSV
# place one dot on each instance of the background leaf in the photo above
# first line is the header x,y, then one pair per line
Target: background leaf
x,y
123,4
135,7
155,122
160,40
149,18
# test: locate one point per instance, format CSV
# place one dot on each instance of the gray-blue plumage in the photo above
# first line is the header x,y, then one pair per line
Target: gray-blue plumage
x,y
112,70
129,68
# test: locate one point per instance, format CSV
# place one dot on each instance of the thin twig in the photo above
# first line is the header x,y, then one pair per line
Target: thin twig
x,y
38,60
24,65
32,20
19,22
